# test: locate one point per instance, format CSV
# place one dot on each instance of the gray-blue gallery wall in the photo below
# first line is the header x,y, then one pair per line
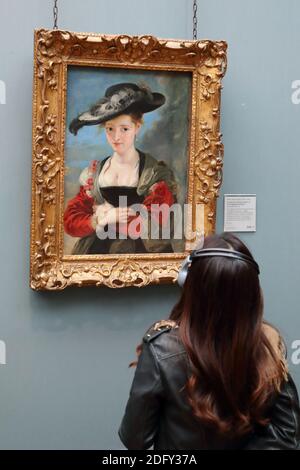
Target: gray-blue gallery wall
x,y
66,378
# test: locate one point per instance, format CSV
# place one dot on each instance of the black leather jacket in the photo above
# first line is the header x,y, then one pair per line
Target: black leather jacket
x,y
157,414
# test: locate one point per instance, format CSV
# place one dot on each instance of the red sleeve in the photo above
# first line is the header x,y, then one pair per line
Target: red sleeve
x,y
77,216
160,194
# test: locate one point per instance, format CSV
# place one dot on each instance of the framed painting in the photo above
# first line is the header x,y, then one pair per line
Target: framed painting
x,y
127,156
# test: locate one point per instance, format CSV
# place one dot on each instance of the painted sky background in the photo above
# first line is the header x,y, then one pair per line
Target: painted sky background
x,y
164,134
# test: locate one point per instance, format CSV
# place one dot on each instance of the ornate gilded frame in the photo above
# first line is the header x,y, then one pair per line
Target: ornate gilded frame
x,y
54,50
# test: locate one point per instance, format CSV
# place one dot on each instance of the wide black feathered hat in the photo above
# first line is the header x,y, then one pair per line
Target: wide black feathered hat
x,y
123,98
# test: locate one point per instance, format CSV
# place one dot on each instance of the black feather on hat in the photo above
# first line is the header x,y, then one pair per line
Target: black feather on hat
x,y
123,98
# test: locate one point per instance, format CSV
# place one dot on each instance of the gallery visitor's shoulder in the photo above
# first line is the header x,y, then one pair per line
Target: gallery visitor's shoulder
x,y
163,337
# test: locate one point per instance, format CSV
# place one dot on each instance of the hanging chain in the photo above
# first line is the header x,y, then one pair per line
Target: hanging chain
x,y
55,14
195,20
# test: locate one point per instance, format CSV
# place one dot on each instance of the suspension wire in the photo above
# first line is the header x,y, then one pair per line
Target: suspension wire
x,y
195,6
55,14
195,19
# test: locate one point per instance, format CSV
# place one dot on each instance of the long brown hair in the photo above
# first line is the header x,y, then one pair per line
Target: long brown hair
x,y
235,369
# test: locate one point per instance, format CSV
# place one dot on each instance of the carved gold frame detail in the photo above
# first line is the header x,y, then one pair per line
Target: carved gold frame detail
x,y
54,50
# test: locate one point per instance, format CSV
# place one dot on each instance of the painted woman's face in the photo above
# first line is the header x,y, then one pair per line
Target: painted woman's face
x,y
121,132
